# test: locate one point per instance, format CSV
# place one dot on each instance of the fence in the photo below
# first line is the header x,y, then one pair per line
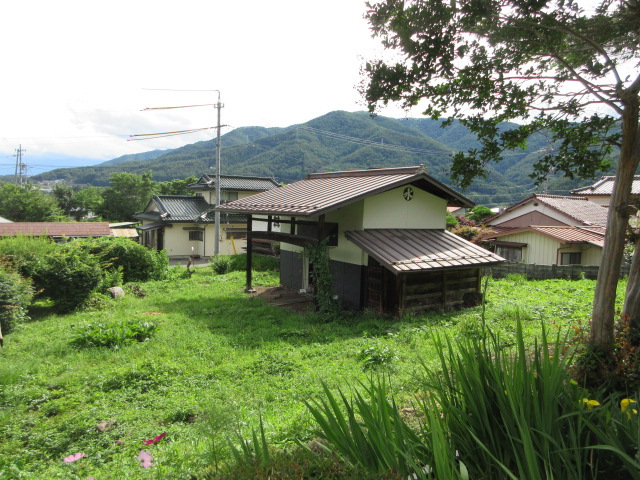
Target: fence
x,y
543,272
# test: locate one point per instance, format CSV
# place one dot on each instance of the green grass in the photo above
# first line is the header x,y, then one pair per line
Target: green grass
x,y
217,362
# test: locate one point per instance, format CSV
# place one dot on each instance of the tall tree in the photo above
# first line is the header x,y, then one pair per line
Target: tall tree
x,y
127,194
176,187
553,66
27,204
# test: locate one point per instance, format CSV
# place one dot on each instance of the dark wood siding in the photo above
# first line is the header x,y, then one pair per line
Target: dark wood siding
x,y
291,269
442,289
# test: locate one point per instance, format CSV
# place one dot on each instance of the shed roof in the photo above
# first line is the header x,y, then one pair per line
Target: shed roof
x,y
322,192
593,235
235,182
407,250
56,229
604,186
580,209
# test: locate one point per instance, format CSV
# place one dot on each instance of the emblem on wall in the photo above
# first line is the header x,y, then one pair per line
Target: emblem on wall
x,y
408,193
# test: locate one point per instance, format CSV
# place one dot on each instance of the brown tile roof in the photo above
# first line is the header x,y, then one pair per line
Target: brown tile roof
x,y
580,209
407,250
593,235
56,229
322,192
604,186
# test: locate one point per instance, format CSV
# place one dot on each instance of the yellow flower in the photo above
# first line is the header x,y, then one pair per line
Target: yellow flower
x,y
590,403
624,406
573,382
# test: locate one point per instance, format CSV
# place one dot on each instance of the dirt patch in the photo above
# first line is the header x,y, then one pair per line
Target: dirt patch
x,y
286,298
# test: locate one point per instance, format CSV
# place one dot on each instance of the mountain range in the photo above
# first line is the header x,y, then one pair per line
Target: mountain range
x,y
338,140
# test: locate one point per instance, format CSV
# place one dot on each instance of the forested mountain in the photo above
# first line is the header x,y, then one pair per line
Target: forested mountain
x,y
336,141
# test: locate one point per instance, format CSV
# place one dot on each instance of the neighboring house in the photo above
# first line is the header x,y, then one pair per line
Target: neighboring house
x,y
550,230
601,191
185,225
58,231
388,247
4,220
550,245
550,210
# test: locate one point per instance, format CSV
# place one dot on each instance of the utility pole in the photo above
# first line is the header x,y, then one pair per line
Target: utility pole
x,y
21,168
216,241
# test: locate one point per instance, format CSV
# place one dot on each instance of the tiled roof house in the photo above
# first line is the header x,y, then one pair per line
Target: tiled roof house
x,y
550,230
184,225
600,192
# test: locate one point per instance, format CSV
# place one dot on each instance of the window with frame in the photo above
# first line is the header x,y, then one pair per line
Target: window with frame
x,y
196,235
570,258
510,254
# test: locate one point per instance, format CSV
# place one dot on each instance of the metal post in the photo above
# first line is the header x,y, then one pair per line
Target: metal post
x,y
216,240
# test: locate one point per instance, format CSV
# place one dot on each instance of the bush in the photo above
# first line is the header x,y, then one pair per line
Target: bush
x,y
136,262
114,334
238,263
221,264
22,252
16,294
68,277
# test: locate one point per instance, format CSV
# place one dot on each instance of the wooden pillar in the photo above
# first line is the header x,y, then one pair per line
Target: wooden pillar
x,y
269,218
249,289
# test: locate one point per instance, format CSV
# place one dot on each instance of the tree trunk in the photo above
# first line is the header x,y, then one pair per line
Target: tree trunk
x,y
632,296
601,334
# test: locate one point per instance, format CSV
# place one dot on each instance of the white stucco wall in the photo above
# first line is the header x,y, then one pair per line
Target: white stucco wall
x,y
391,210
177,243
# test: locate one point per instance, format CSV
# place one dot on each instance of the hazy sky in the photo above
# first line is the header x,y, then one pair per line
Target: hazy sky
x,y
77,73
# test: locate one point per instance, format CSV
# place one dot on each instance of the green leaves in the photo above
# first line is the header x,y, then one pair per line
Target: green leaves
x,y
488,62
113,334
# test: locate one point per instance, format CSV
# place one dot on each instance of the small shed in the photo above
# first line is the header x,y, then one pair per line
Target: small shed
x,y
385,230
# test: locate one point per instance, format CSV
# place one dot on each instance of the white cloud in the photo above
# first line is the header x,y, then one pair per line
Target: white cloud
x,y
76,75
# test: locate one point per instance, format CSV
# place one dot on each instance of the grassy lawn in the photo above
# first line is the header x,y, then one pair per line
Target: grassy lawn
x,y
217,362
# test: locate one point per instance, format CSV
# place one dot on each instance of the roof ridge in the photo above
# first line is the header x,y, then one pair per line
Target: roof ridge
x,y
369,172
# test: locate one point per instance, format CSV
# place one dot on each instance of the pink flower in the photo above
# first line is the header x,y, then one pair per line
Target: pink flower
x,y
156,439
118,442
74,457
146,459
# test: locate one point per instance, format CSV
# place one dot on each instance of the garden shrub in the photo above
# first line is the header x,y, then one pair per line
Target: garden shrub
x,y
238,263
136,262
22,252
113,334
67,277
221,264
16,294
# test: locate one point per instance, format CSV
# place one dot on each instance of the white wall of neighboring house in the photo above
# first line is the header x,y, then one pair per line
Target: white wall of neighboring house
x,y
543,250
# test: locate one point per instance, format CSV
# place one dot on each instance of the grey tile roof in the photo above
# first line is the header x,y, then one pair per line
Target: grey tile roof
x,y
407,250
184,209
604,186
322,192
235,182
